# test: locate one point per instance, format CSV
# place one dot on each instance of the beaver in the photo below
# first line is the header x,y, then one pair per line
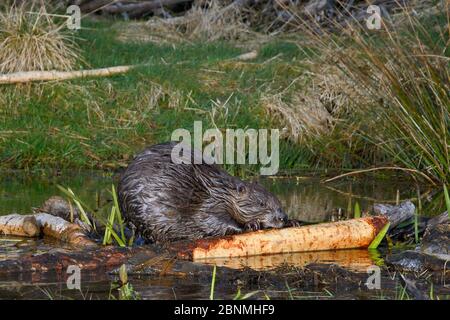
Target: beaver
x,y
164,201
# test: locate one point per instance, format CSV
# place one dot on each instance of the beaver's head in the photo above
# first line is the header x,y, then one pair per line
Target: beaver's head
x,y
253,202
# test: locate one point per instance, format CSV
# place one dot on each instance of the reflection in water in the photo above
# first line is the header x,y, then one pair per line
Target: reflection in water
x,y
355,259
312,201
303,199
20,191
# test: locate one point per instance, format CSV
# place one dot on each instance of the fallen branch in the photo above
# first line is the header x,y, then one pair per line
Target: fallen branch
x,y
143,6
396,214
45,224
19,225
382,168
29,76
355,233
247,56
63,230
94,5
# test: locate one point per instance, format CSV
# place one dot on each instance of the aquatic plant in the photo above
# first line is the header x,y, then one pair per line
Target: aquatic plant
x,y
447,199
113,216
357,210
240,296
111,223
380,236
213,283
126,290
80,205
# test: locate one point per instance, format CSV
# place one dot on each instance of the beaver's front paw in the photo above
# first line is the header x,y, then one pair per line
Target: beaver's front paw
x,y
253,225
293,223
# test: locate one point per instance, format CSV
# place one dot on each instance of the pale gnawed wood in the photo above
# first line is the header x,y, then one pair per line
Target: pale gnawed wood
x,y
355,233
30,76
44,224
63,230
19,225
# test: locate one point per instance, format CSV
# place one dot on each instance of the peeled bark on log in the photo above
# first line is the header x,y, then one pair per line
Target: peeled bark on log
x,y
355,233
60,207
19,225
63,230
30,76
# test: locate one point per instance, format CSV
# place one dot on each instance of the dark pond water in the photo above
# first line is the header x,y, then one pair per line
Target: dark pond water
x,y
304,198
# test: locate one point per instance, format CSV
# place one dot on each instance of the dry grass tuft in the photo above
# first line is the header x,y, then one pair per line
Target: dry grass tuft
x,y
216,22
327,97
32,41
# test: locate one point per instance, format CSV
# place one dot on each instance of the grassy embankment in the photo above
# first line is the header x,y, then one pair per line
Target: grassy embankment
x,y
100,123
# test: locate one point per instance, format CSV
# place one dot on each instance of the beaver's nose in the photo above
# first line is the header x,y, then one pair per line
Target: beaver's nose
x,y
282,216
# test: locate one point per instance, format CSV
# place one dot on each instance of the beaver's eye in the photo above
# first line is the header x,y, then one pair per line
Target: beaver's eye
x,y
262,203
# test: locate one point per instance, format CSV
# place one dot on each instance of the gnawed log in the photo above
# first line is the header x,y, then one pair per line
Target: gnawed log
x,y
355,233
19,225
45,224
63,230
30,76
60,207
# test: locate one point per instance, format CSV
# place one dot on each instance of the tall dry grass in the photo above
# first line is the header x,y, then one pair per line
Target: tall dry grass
x,y
210,21
405,69
30,40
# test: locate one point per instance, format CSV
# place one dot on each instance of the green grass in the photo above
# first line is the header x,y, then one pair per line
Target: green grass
x,y
447,199
101,123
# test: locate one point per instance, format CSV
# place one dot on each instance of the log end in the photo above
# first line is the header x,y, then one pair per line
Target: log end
x,y
31,226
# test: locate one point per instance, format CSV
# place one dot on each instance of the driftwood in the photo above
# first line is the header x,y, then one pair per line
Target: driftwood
x,y
60,207
63,230
30,76
356,233
19,225
45,224
247,56
396,214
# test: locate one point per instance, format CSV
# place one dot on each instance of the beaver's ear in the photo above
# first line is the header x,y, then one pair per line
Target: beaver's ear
x,y
241,188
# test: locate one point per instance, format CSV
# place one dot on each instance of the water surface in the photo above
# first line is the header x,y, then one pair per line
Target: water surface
x,y
304,198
